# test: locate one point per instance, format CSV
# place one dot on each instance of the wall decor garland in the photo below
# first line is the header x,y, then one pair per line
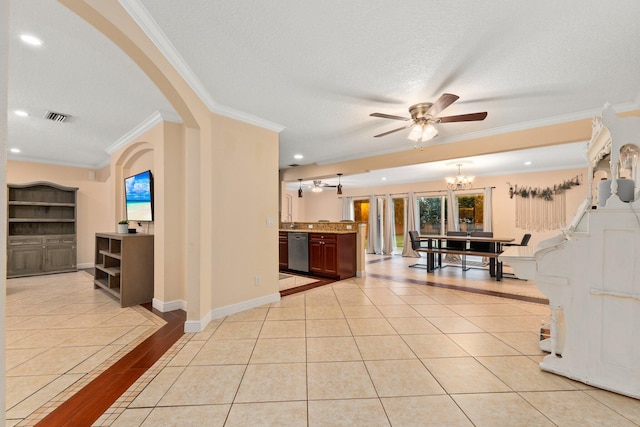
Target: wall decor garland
x,y
545,193
541,209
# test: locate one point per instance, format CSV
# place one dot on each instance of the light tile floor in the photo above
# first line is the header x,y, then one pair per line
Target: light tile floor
x,y
60,334
373,351
380,350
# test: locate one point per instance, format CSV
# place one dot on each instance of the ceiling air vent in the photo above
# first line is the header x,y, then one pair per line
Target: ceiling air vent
x,y
293,165
56,117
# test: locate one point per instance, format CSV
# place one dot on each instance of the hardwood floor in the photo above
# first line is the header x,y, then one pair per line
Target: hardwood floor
x,y
88,404
320,281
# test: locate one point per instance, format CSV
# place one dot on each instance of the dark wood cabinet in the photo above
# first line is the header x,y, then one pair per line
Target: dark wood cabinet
x,y
283,250
41,232
332,255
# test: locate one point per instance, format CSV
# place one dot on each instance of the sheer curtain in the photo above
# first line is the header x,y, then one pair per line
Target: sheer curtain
x,y
452,212
453,222
488,209
389,226
347,208
410,223
374,245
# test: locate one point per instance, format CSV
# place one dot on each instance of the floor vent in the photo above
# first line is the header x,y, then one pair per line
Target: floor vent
x,y
56,117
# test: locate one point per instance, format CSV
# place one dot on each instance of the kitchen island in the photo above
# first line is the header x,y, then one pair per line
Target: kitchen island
x,y
320,249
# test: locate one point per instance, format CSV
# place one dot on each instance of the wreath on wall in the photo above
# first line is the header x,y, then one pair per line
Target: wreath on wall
x,y
543,193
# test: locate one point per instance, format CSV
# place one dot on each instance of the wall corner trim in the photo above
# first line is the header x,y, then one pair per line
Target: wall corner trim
x,y
191,326
165,306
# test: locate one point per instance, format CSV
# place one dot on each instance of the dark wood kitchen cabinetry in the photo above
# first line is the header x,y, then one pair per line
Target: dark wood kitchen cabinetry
x,y
283,250
332,255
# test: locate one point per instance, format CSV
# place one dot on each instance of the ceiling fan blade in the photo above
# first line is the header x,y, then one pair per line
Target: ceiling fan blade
x,y
463,118
389,116
443,102
392,131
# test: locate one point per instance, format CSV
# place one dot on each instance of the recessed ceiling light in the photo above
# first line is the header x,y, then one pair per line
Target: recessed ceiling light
x,y
14,150
384,178
21,113
527,163
298,156
32,40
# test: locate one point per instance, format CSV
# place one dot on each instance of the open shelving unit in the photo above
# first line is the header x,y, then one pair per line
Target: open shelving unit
x,y
124,267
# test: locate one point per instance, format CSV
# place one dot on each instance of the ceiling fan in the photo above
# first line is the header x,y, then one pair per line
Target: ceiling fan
x,y
318,186
423,117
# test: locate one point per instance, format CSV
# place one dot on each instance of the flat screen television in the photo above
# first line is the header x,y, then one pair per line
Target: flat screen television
x,y
138,194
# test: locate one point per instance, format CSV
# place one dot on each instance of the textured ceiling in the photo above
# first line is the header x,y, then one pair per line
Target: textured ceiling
x,y
79,72
319,68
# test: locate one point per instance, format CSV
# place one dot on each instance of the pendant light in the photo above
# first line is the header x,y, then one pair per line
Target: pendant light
x,y
339,185
300,189
459,182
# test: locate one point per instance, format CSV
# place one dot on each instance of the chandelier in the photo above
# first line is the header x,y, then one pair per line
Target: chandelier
x,y
459,182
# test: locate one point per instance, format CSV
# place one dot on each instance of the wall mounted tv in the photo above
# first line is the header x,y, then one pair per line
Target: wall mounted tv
x,y
138,194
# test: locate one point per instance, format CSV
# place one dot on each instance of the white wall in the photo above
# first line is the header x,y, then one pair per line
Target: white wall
x,y
4,137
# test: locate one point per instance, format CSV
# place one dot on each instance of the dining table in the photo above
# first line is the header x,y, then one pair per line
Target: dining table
x,y
436,245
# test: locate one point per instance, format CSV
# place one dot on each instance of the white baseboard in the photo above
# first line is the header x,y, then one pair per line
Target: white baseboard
x,y
85,265
164,306
191,326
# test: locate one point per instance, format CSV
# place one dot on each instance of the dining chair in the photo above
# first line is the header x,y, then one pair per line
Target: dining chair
x,y
524,242
480,246
416,244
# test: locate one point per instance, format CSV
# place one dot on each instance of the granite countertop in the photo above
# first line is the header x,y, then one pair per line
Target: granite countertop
x,y
313,230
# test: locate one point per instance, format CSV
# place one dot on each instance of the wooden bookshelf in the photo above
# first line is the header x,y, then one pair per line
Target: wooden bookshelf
x,y
124,267
41,229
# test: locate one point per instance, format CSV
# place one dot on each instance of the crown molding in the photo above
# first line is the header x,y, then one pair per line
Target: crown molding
x,y
145,21
19,158
550,121
581,115
147,124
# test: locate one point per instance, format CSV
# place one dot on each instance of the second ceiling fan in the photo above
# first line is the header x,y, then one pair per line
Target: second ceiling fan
x,y
423,117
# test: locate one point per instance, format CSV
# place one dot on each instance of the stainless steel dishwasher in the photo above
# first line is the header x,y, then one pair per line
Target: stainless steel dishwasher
x,y
299,252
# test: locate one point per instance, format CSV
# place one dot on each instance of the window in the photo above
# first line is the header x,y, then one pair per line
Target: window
x,y
398,220
471,212
361,214
431,212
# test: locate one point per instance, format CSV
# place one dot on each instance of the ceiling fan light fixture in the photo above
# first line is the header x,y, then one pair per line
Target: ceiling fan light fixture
x,y
416,133
316,189
429,132
423,132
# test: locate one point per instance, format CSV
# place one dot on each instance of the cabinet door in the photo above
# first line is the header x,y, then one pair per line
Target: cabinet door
x,y
330,256
316,256
60,257
283,250
25,260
